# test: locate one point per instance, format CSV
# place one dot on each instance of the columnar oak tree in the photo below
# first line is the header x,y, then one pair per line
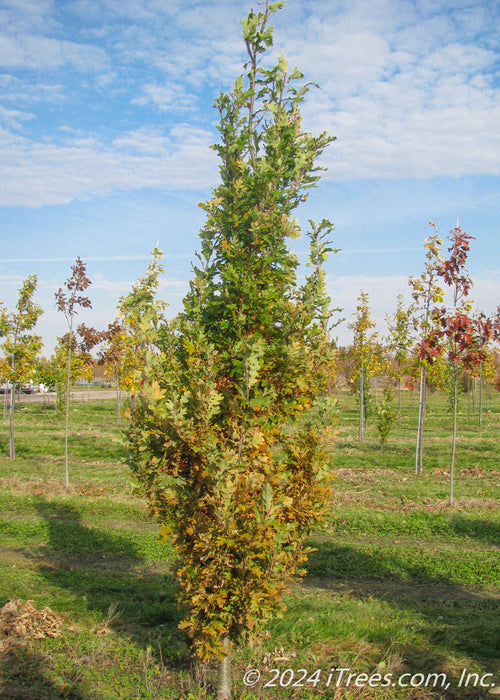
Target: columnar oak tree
x,y
365,352
141,316
400,342
228,436
20,345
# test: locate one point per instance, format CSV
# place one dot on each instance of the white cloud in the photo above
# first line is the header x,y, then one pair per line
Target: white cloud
x,y
410,89
37,52
406,90
21,92
27,15
170,98
37,173
13,118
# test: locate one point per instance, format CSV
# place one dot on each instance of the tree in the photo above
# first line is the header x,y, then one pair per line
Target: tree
x,y
364,353
4,373
130,339
112,356
386,415
400,342
425,292
228,434
81,364
487,331
461,336
141,316
68,299
20,346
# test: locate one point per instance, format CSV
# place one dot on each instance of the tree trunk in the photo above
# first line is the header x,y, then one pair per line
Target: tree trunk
x,y
399,401
66,424
361,404
12,449
469,387
419,457
424,411
453,449
118,397
224,681
480,394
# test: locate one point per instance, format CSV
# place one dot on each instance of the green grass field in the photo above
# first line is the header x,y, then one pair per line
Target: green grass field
x,y
400,587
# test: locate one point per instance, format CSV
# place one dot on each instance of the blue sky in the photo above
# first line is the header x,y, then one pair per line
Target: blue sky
x,y
106,119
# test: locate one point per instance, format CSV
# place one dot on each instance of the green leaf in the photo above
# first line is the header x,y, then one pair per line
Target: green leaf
x,y
266,497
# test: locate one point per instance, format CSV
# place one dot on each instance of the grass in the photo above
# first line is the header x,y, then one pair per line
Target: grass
x,y
399,582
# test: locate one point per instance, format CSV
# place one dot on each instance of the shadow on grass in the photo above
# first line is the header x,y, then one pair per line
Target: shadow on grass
x,y
23,677
105,569
455,620
479,529
102,572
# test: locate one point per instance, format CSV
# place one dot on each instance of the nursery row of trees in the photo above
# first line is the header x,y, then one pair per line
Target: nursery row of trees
x,y
121,348
441,343
426,344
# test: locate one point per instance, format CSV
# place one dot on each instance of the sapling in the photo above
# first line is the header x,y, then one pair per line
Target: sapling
x,y
20,345
386,415
68,299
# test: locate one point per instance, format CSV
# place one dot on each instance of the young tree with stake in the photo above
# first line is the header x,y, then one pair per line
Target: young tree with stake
x,y
112,358
141,316
228,433
365,351
56,369
426,292
68,299
461,336
400,342
20,345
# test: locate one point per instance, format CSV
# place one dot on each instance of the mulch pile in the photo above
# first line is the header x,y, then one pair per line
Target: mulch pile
x,y
21,620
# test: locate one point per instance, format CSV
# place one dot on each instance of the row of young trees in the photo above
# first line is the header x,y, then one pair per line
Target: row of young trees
x,y
228,424
425,342
425,338
120,349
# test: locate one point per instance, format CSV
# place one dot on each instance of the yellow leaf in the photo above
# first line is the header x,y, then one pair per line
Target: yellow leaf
x,y
155,392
